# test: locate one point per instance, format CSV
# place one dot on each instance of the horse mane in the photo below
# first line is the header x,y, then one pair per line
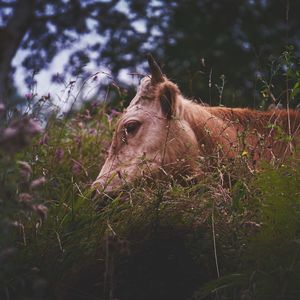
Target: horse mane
x,y
287,120
264,132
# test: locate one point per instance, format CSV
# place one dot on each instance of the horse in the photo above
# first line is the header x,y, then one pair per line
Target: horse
x,y
162,132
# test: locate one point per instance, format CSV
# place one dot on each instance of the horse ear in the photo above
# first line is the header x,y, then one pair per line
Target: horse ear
x,y
167,97
156,73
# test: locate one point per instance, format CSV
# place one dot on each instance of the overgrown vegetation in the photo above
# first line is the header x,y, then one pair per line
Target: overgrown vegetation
x,y
233,235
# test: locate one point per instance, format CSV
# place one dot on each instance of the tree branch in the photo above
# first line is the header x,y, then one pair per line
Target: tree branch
x,y
8,4
10,38
84,11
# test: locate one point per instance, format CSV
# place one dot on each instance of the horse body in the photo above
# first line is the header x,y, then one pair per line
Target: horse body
x,y
161,131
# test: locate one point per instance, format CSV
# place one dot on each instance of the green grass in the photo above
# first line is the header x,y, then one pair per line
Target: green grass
x,y
163,240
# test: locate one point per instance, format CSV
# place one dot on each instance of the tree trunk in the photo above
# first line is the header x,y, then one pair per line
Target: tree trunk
x,y
11,37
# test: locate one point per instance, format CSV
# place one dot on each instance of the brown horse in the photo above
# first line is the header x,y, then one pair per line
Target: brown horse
x,y
162,132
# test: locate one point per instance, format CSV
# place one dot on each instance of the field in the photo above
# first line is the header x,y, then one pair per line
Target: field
x,y
233,235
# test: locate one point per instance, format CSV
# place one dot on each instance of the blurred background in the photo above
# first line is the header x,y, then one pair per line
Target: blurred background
x,y
232,53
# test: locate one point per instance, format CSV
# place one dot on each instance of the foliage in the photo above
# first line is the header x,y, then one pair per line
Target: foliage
x,y
196,41
268,266
218,239
19,197
281,87
277,270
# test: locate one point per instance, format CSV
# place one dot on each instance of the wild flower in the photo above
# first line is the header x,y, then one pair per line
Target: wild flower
x,y
31,126
41,210
113,113
25,170
2,108
29,96
44,139
19,134
76,168
37,183
59,153
77,140
94,104
92,131
25,199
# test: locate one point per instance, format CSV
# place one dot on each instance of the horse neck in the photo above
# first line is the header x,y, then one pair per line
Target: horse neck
x,y
210,130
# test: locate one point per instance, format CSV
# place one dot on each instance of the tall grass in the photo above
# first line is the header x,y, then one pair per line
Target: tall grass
x,y
163,240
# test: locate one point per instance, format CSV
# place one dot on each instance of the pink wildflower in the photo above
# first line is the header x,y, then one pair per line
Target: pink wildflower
x,y
76,169
25,170
77,140
44,139
59,153
19,134
92,131
114,113
37,183
94,104
32,126
41,210
25,199
2,108
29,96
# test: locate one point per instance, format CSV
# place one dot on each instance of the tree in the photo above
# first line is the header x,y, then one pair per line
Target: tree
x,y
44,28
201,40
196,41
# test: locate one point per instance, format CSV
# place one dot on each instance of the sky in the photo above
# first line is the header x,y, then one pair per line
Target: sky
x,y
44,84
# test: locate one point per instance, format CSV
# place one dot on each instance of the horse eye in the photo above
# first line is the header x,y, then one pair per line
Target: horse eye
x,y
131,127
